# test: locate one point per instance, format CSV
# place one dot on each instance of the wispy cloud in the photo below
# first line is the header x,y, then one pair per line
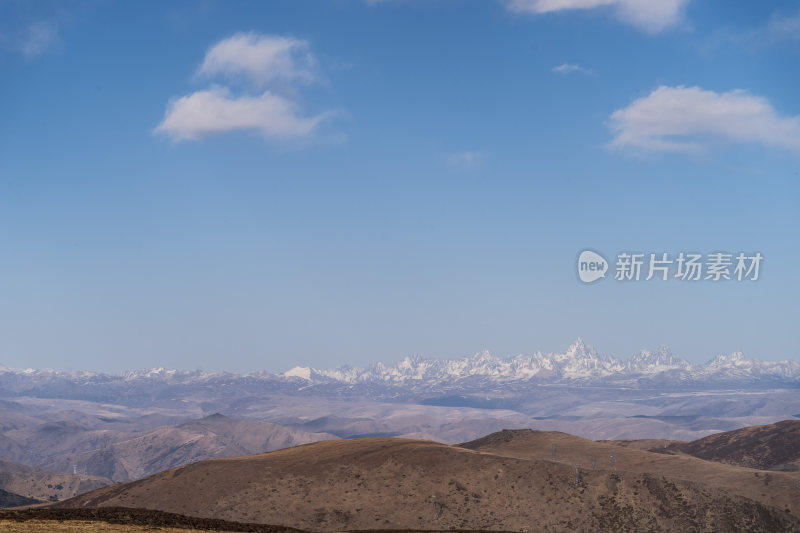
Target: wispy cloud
x,y
779,28
688,119
262,67
649,15
782,27
467,159
569,68
38,39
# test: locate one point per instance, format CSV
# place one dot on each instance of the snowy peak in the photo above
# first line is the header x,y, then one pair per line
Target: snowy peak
x,y
301,372
581,361
736,366
578,350
648,362
736,359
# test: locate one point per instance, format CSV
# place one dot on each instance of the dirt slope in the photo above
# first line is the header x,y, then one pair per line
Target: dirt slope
x,y
408,484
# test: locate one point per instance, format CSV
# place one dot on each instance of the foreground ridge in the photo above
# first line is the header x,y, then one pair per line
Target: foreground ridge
x,y
504,482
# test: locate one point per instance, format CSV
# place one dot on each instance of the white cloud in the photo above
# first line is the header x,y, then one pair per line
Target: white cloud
x,y
649,15
689,118
263,59
39,38
568,68
215,111
467,158
273,64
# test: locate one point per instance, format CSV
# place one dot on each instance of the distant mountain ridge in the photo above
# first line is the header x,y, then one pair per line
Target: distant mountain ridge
x,y
579,365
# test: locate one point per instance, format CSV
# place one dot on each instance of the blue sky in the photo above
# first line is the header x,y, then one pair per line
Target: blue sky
x,y
255,185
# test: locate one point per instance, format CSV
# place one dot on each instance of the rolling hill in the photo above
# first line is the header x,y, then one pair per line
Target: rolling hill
x,y
777,489
496,483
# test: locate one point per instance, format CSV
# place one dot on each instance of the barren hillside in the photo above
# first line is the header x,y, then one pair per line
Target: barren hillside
x,y
408,484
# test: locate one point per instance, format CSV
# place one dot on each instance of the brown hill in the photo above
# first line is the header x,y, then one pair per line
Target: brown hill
x,y
778,489
43,485
383,483
769,447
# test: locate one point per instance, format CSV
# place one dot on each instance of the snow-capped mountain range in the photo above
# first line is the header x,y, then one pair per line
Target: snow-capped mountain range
x,y
579,363
415,377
